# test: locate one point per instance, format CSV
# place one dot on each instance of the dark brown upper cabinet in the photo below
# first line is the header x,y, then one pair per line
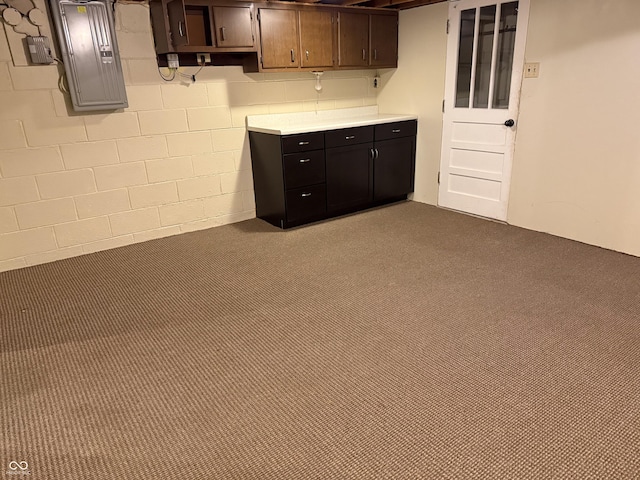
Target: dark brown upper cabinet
x,y
279,38
233,26
177,23
316,38
296,38
194,26
368,39
383,37
275,36
353,39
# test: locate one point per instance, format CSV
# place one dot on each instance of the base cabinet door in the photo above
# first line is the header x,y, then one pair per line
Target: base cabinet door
x,y
393,166
348,176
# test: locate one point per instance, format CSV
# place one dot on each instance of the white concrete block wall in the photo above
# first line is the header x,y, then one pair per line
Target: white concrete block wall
x,y
177,160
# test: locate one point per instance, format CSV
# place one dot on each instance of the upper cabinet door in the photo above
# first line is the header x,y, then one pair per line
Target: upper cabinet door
x,y
177,23
279,38
233,26
353,39
316,38
384,40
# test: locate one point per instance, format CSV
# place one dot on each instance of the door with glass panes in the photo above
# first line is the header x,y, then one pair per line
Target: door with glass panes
x,y
485,58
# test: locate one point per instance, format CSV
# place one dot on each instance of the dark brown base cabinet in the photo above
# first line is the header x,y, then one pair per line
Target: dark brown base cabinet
x,y
307,177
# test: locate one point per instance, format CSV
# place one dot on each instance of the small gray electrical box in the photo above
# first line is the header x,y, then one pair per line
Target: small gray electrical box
x,y
39,50
90,51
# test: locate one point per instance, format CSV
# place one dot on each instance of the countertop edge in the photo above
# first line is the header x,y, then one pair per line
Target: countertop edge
x,y
336,124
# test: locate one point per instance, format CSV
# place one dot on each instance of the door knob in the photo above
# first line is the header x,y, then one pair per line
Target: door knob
x,y
509,123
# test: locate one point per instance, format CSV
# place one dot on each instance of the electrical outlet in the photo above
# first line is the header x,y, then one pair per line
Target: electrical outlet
x,y
203,58
172,60
531,70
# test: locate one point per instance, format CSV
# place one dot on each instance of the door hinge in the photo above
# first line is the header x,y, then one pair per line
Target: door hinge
x,y
438,178
447,26
443,105
250,15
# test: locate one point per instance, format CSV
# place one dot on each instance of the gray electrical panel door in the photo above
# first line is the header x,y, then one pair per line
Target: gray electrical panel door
x,y
90,52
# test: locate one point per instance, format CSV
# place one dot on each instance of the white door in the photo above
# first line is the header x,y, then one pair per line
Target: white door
x,y
485,59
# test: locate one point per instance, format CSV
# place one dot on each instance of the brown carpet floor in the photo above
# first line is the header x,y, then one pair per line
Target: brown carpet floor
x,y
406,342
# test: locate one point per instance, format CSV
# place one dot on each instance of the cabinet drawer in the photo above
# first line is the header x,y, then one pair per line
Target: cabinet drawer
x,y
306,202
303,142
348,136
304,168
386,131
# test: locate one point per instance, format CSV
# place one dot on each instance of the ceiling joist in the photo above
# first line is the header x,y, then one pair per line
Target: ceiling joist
x,y
391,4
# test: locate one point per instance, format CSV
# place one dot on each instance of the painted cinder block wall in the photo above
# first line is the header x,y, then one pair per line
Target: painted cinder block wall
x,y
176,160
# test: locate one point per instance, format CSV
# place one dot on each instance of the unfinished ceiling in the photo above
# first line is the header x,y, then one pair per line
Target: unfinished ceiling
x,y
391,4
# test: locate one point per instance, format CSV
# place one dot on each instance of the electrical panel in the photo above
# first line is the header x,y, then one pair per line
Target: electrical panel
x,y
90,53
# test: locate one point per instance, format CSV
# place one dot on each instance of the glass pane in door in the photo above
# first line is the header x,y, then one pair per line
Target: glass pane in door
x,y
465,57
504,59
486,29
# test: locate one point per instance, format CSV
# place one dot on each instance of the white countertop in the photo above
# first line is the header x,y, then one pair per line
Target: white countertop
x,y
305,122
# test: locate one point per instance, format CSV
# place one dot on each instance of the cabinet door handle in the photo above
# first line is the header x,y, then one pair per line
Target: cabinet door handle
x,y
305,160
350,137
303,143
223,32
375,53
395,131
364,54
307,53
180,29
293,56
373,154
305,195
377,154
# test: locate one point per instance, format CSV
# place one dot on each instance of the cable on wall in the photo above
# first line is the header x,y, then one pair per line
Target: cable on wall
x,y
169,78
176,72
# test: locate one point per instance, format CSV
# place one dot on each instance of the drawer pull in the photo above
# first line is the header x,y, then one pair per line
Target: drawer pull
x,y
305,160
305,195
395,131
350,137
303,143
